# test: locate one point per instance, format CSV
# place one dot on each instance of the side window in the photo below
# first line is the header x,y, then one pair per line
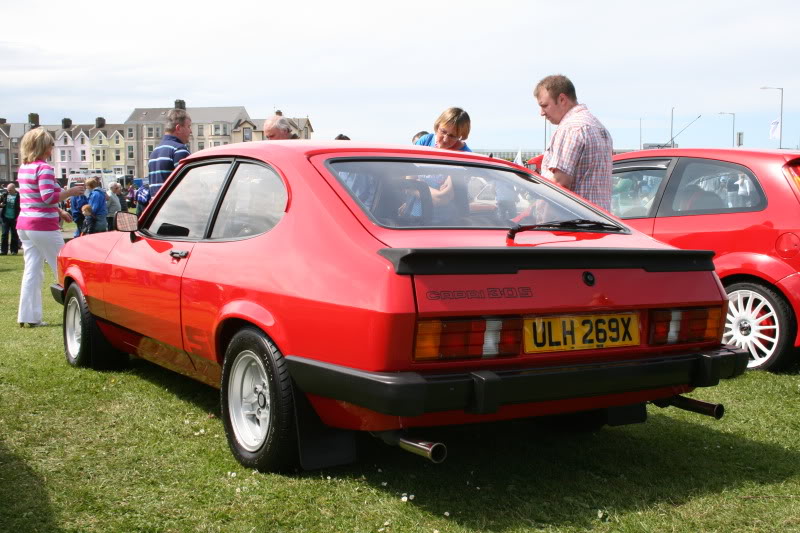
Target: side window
x,y
705,186
253,204
185,212
635,185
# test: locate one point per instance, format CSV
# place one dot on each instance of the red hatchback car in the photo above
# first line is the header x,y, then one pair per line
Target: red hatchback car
x,y
745,206
327,288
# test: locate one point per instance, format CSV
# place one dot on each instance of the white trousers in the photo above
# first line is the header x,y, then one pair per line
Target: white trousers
x,y
37,247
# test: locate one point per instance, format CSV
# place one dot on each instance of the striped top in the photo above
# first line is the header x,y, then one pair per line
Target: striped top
x,y
165,158
38,192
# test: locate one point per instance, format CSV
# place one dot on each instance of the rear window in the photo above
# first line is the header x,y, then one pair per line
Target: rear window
x,y
414,194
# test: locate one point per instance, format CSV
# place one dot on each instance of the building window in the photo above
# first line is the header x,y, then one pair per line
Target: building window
x,y
100,139
65,141
149,150
69,155
14,142
247,134
217,129
117,155
158,131
130,133
16,162
2,158
116,139
216,143
201,146
224,143
224,129
63,155
83,155
63,173
150,131
201,131
1,141
97,155
130,152
131,170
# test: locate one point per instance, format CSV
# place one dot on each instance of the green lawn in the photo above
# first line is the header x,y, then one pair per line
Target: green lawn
x,y
144,450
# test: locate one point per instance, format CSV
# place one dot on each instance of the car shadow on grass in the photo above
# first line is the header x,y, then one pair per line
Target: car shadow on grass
x,y
26,504
519,473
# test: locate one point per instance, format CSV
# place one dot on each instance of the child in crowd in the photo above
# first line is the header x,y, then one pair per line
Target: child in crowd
x,y
88,220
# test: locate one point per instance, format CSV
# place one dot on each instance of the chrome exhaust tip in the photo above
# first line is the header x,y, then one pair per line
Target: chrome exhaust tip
x,y
436,452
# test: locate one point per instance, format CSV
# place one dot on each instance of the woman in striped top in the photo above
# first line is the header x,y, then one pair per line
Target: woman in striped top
x,y
38,222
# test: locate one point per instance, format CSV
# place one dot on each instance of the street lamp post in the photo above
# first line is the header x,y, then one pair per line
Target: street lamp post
x,y
733,127
780,134
671,121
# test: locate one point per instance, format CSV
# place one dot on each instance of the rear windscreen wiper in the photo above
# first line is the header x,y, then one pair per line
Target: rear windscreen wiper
x,y
573,224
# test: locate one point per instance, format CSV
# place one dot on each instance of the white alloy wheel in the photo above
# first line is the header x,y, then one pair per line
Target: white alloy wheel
x,y
73,328
249,400
752,323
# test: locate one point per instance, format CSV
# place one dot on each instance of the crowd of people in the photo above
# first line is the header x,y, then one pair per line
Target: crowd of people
x,y
578,158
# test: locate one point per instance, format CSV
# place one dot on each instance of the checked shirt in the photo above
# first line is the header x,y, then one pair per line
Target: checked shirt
x,y
582,148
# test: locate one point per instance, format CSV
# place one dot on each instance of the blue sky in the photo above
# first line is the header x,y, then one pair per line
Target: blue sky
x,y
381,71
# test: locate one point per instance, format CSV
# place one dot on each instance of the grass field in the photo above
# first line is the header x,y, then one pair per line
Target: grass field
x,y
143,450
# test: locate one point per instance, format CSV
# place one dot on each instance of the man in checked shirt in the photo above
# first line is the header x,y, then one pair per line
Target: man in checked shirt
x,y
579,155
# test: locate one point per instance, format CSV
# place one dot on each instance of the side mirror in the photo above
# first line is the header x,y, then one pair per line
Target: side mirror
x,y
127,222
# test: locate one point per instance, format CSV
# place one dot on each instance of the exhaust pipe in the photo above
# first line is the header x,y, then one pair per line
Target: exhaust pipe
x,y
436,452
716,410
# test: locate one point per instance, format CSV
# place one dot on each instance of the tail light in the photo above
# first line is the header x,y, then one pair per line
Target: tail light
x,y
675,326
467,338
792,171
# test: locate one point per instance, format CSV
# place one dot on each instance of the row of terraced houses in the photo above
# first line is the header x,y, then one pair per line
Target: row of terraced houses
x,y
125,148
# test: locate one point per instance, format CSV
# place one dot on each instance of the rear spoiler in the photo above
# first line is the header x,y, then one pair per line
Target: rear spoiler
x,y
489,260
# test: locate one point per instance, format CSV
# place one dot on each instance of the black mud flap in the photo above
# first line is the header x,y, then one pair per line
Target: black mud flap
x,y
318,445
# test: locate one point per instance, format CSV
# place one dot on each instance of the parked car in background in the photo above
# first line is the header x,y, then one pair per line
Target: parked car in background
x,y
745,206
323,290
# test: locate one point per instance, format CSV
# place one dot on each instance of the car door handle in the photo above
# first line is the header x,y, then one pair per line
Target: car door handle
x,y
179,254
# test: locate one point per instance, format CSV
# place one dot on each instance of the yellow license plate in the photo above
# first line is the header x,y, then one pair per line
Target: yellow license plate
x,y
580,332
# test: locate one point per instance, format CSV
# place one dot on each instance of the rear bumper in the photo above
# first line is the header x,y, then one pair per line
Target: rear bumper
x,y
484,391
58,293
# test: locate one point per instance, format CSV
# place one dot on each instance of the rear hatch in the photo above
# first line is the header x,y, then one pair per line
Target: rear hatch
x,y
509,267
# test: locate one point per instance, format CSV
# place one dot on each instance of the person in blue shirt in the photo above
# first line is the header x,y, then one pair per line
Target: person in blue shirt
x,y
172,149
450,131
97,201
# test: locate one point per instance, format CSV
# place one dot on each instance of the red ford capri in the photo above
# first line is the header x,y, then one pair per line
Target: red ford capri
x,y
331,288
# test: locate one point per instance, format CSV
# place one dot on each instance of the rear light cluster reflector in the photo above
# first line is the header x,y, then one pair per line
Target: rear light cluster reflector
x,y
675,326
792,171
467,338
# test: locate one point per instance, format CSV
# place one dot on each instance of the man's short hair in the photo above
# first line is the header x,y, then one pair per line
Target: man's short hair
x,y
555,85
457,118
419,134
341,137
175,117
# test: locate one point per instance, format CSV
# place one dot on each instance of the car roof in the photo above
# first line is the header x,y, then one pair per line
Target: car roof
x,y
292,149
712,153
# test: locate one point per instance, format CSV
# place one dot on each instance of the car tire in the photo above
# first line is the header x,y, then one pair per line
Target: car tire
x,y
257,403
84,343
761,321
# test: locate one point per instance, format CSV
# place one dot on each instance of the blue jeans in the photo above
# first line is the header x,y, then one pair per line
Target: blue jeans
x,y
9,228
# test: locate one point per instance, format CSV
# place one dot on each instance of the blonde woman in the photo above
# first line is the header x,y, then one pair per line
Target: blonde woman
x,y
38,221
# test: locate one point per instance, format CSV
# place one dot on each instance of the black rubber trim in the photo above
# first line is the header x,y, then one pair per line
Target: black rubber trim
x,y
490,260
484,391
58,293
